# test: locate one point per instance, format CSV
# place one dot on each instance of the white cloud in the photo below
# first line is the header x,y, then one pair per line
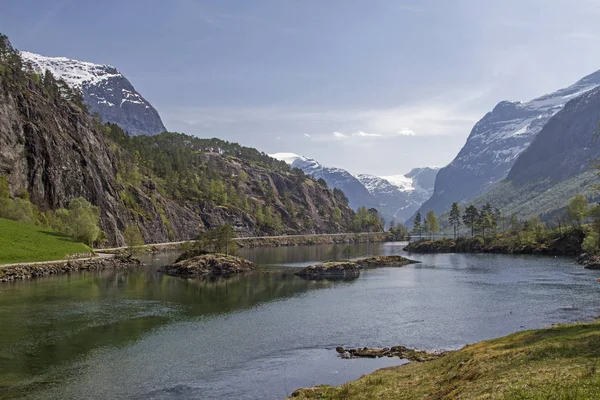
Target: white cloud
x,y
306,135
406,132
366,134
339,135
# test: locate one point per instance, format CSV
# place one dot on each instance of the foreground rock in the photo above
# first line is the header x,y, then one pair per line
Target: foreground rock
x,y
394,351
208,265
331,270
35,270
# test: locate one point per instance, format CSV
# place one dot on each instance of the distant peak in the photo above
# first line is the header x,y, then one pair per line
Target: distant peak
x,y
74,72
289,158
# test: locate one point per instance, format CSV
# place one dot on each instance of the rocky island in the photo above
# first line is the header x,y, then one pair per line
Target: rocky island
x,y
351,269
207,265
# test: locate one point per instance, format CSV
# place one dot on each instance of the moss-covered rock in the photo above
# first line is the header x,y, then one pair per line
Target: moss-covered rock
x,y
208,265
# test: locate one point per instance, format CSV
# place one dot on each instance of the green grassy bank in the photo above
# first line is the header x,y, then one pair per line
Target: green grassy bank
x,y
560,362
21,242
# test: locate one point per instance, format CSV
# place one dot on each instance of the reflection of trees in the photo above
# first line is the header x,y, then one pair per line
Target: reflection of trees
x,y
54,321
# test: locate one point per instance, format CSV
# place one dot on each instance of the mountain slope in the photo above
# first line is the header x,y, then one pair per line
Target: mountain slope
x,y
399,196
496,142
357,194
396,197
556,165
170,185
105,90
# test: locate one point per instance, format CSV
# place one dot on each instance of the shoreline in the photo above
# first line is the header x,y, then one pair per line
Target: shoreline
x,y
114,257
24,271
527,361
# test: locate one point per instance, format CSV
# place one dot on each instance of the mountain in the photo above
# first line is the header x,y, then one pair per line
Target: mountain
x,y
399,196
496,142
556,165
105,90
396,197
171,186
356,192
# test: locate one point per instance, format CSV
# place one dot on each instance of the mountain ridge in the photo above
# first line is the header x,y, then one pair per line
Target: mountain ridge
x,y
495,143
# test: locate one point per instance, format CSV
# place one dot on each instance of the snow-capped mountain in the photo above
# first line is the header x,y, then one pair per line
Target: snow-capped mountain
x,y
399,196
495,143
357,194
395,197
105,90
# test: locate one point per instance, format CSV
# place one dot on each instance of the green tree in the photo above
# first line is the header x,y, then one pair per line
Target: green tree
x,y
133,238
577,209
417,224
454,218
432,223
470,218
82,221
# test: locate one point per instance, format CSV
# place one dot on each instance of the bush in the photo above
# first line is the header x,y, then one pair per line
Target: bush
x,y
133,237
590,243
81,221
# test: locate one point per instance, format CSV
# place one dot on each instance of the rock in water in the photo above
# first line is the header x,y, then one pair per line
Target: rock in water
x,y
331,270
207,265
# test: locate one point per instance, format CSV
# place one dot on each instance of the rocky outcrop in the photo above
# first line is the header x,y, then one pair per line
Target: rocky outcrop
x,y
331,270
208,265
394,351
39,269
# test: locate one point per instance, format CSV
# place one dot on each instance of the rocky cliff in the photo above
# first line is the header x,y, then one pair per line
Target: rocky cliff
x,y
105,90
51,147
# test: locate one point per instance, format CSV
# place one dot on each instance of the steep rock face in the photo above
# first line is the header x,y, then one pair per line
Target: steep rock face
x,y
556,165
496,142
399,196
51,147
358,195
105,90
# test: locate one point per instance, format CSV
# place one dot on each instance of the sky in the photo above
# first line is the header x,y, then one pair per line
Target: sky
x,y
372,86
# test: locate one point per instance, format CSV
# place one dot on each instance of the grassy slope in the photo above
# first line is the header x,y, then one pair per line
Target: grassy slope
x,y
553,363
21,242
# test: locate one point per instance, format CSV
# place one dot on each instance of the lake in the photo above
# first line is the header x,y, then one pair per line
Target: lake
x,y
137,334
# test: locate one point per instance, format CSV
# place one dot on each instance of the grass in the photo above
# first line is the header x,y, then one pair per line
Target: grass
x,y
560,362
20,242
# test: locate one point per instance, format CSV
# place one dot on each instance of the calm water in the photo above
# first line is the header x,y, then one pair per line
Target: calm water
x,y
137,334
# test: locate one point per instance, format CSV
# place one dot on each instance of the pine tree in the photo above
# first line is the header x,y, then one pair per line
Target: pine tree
x,y
470,218
454,218
417,224
432,223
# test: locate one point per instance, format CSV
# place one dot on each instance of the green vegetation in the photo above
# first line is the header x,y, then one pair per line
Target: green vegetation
x,y
367,221
133,238
553,363
22,242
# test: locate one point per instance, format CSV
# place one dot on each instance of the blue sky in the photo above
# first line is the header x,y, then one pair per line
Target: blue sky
x,y
377,86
